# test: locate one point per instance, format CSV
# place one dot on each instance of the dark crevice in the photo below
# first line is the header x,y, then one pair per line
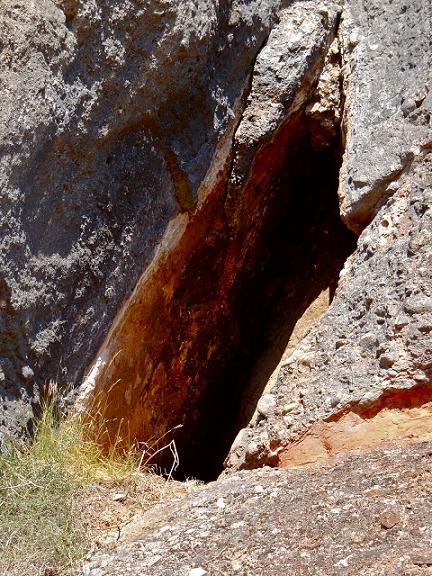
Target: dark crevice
x,y
301,249
195,345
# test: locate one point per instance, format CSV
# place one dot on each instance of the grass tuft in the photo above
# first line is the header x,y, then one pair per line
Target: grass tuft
x,y
45,524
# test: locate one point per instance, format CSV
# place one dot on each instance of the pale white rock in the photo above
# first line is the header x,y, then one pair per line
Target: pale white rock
x,y
197,572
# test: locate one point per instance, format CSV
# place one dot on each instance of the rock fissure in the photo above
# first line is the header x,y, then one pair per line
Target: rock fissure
x,y
182,352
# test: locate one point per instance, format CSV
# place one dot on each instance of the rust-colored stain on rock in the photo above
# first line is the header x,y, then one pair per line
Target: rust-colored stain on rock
x,y
404,415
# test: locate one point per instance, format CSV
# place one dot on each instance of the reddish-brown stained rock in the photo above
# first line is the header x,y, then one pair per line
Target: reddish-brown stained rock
x,y
397,415
191,318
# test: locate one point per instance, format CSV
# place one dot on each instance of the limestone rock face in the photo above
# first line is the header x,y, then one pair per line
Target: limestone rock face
x,y
371,352
149,150
113,116
285,70
387,79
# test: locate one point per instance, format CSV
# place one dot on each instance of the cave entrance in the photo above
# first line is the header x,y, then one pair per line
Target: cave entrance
x,y
287,284
193,349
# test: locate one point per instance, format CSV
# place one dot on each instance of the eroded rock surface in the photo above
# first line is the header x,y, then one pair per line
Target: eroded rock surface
x,y
387,78
148,152
365,513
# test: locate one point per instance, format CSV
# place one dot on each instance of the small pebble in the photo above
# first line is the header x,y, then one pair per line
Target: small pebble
x,y
119,497
197,572
389,520
289,407
266,405
422,559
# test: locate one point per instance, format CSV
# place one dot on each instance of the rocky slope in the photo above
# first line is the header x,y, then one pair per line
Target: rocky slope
x,y
363,513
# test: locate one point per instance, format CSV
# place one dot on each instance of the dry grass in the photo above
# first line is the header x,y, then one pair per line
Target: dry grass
x,y
62,497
